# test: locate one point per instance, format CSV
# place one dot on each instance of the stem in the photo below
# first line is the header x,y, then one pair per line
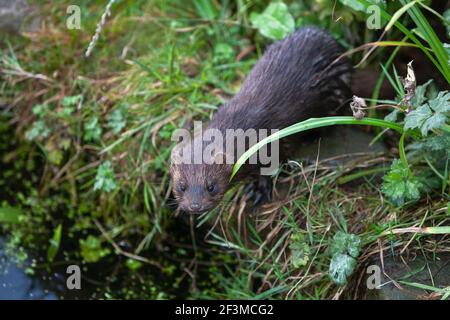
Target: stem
x,y
402,154
360,174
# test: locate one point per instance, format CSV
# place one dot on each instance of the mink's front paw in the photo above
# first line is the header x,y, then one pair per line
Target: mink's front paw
x,y
260,191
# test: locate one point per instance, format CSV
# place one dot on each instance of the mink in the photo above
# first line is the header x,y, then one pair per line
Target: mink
x,y
301,76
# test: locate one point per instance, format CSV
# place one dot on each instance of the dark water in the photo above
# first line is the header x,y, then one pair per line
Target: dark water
x,y
15,283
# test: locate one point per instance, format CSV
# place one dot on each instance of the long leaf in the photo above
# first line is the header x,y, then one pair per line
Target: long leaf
x,y
54,244
426,230
411,36
431,37
398,14
312,124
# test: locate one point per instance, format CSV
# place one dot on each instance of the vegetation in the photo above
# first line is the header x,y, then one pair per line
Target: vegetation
x,y
85,145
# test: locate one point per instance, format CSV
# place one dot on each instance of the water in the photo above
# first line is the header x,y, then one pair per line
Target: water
x,y
16,284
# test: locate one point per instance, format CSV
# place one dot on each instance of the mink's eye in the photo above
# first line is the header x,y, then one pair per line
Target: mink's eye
x,y
211,188
182,186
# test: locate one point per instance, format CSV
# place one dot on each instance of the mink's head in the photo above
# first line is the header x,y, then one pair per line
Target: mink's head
x,y
198,187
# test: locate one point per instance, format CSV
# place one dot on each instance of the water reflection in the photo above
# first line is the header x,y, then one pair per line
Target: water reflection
x,y
16,284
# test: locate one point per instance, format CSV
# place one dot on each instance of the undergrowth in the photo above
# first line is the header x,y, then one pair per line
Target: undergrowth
x,y
86,143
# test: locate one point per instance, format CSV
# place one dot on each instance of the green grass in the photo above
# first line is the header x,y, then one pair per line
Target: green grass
x,y
92,185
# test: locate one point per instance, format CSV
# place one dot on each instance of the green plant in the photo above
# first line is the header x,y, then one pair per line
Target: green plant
x,y
399,186
104,124
275,22
421,112
55,242
92,130
92,250
344,250
418,114
437,54
105,178
431,115
117,120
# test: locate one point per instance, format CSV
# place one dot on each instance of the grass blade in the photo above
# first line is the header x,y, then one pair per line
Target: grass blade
x,y
312,124
398,14
413,38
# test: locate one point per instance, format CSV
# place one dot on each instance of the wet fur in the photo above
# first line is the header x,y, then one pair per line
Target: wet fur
x,y
297,78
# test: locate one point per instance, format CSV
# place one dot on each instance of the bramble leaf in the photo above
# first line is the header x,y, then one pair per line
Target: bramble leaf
x,y
105,179
92,130
432,115
354,4
392,117
133,264
300,250
223,52
416,118
39,129
41,110
91,249
398,186
344,250
275,22
420,95
71,100
346,243
341,267
116,120
434,143
446,15
441,103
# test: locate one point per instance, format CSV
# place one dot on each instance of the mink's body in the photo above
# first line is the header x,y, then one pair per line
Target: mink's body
x,y
297,78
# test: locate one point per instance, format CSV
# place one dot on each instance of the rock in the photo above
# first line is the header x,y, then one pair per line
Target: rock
x,y
340,141
434,273
17,16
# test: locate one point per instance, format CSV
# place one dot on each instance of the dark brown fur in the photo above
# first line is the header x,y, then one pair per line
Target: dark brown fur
x,y
297,78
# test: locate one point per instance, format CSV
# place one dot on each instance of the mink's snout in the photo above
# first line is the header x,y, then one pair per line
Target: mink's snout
x,y
196,206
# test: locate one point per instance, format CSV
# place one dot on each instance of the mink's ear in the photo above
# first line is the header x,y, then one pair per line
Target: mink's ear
x,y
175,156
221,157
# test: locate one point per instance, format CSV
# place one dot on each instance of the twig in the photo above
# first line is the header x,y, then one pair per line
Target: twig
x,y
122,252
99,28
